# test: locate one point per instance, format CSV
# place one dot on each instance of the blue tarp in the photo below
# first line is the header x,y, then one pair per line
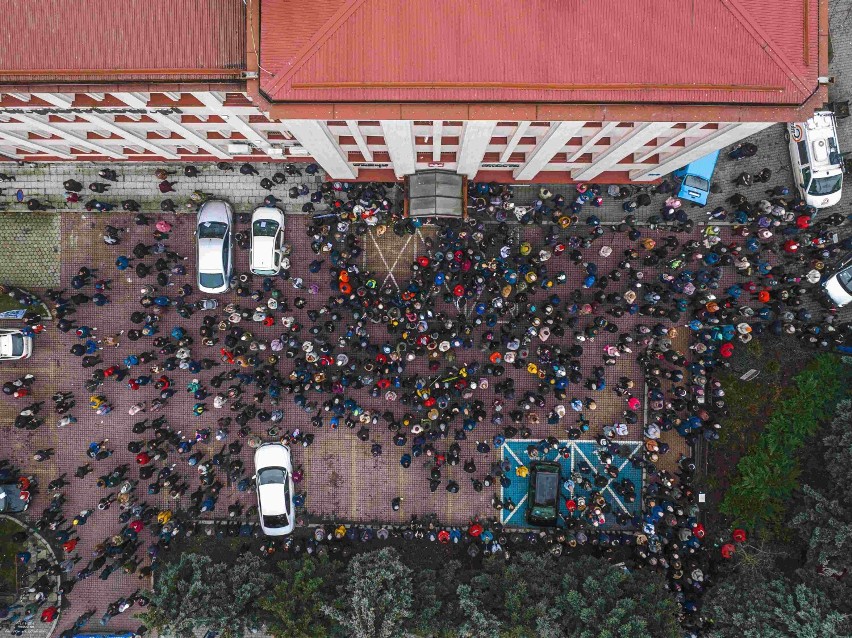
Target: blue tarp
x,y
516,453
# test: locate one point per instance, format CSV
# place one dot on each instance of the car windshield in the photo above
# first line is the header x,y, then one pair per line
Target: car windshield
x,y
546,489
825,185
264,228
693,181
279,520
211,280
212,230
17,345
272,476
844,277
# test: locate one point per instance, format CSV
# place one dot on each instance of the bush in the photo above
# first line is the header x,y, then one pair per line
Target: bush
x,y
767,475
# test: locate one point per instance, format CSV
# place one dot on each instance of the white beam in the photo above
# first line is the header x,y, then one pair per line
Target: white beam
x,y
594,139
359,140
475,137
76,141
687,132
217,106
399,138
437,138
98,97
320,144
103,123
23,97
19,141
133,101
726,134
642,133
512,144
549,145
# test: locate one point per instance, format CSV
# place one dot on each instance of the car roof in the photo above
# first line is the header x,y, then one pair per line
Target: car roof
x,y
273,498
262,252
210,255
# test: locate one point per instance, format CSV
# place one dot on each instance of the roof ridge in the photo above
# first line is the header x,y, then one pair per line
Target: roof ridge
x,y
780,60
341,16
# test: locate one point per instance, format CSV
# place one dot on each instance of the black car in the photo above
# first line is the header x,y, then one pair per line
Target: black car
x,y
543,494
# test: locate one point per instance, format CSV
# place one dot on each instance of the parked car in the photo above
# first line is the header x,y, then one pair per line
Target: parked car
x,y
838,286
215,248
817,163
543,493
274,479
267,241
14,344
13,499
696,177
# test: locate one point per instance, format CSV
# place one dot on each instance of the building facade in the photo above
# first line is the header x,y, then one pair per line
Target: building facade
x,y
512,91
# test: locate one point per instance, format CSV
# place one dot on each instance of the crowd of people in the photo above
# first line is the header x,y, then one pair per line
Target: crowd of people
x,y
496,335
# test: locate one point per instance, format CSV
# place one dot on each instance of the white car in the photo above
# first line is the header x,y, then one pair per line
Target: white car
x,y
817,163
838,286
14,344
267,241
274,479
215,248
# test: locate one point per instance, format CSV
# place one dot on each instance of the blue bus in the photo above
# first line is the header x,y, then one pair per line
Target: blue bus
x,y
696,176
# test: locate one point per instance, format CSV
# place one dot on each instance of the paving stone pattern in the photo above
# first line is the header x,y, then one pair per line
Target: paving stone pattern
x,y
30,254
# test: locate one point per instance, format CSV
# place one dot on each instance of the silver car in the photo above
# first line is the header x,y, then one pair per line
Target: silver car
x,y
215,247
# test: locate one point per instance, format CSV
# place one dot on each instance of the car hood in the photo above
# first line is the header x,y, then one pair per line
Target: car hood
x,y
272,456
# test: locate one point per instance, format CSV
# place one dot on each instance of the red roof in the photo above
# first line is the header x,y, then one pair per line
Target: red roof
x,y
633,51
125,40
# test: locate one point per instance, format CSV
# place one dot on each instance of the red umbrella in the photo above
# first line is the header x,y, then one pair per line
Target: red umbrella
x,y
475,530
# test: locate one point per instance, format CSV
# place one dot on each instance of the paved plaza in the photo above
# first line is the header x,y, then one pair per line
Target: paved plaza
x,y
343,481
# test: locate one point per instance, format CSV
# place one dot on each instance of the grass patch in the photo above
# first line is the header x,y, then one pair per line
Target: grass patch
x,y
767,475
8,550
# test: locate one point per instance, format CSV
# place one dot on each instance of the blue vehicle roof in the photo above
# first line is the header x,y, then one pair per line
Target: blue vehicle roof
x,y
702,167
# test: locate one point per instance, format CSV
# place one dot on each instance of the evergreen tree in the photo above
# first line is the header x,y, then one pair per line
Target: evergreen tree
x,y
301,590
598,600
773,607
198,593
479,622
377,597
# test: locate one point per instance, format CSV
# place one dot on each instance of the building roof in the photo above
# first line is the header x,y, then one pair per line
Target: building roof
x,y
91,41
757,52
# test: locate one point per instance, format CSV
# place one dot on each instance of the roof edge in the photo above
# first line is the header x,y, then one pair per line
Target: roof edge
x,y
546,111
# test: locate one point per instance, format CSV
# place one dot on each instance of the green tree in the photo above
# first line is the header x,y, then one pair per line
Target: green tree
x,y
598,600
773,607
377,597
478,622
302,587
198,593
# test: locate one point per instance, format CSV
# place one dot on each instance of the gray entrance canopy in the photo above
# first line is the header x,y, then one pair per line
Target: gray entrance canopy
x,y
436,193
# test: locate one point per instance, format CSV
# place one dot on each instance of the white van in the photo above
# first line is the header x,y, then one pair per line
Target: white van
x,y
817,164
